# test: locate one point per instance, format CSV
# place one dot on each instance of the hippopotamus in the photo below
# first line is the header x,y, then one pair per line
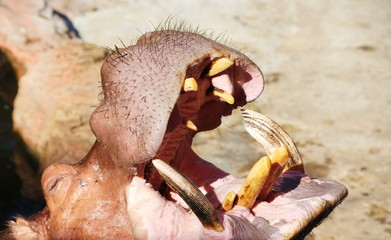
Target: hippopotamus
x,y
142,180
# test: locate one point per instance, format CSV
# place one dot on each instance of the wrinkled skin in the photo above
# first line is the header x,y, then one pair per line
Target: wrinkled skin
x,y
115,193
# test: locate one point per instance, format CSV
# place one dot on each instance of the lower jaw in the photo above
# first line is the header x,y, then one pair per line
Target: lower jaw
x,y
296,204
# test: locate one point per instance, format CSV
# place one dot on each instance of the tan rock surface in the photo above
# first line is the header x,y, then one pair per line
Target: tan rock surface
x,y
58,83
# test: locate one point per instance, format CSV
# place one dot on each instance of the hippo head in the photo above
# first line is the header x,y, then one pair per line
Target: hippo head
x,y
158,94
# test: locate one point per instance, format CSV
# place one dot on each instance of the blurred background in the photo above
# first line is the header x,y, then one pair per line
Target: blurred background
x,y
327,67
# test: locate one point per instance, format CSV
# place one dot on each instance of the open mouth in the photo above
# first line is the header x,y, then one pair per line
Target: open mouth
x,y
143,172
276,201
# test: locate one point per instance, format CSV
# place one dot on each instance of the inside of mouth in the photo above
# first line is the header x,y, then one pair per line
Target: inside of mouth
x,y
203,108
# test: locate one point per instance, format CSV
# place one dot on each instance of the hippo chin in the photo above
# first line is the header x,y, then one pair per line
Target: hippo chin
x,y
158,94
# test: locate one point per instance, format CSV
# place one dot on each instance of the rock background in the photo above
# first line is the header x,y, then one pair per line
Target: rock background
x,y
328,78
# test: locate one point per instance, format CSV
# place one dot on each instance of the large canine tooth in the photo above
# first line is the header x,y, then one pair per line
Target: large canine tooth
x,y
278,161
224,95
220,65
271,136
254,183
191,125
194,198
228,201
190,84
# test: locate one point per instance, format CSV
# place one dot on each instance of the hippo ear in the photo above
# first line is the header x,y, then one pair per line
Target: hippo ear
x,y
21,229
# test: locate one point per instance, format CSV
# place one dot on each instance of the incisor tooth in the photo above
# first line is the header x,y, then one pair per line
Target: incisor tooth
x,y
220,65
229,201
190,84
194,198
224,95
191,125
254,183
279,159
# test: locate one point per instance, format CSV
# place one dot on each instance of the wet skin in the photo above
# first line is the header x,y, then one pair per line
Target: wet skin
x,y
116,193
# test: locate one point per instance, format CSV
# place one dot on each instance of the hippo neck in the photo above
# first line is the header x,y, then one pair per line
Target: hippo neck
x,y
100,154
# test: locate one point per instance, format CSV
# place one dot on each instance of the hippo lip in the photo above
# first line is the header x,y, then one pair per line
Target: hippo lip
x,y
294,192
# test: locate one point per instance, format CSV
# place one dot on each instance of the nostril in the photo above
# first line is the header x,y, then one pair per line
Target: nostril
x,y
52,183
54,175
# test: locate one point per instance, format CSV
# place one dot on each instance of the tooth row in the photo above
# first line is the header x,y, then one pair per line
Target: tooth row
x,y
218,66
264,174
278,144
260,181
190,84
194,198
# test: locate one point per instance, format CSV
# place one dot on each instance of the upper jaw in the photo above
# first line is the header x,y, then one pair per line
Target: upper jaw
x,y
149,76
212,87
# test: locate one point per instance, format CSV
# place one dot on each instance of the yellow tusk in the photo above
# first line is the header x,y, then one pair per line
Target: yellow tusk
x,y
190,84
271,136
279,159
194,198
224,95
191,125
220,65
228,202
254,182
